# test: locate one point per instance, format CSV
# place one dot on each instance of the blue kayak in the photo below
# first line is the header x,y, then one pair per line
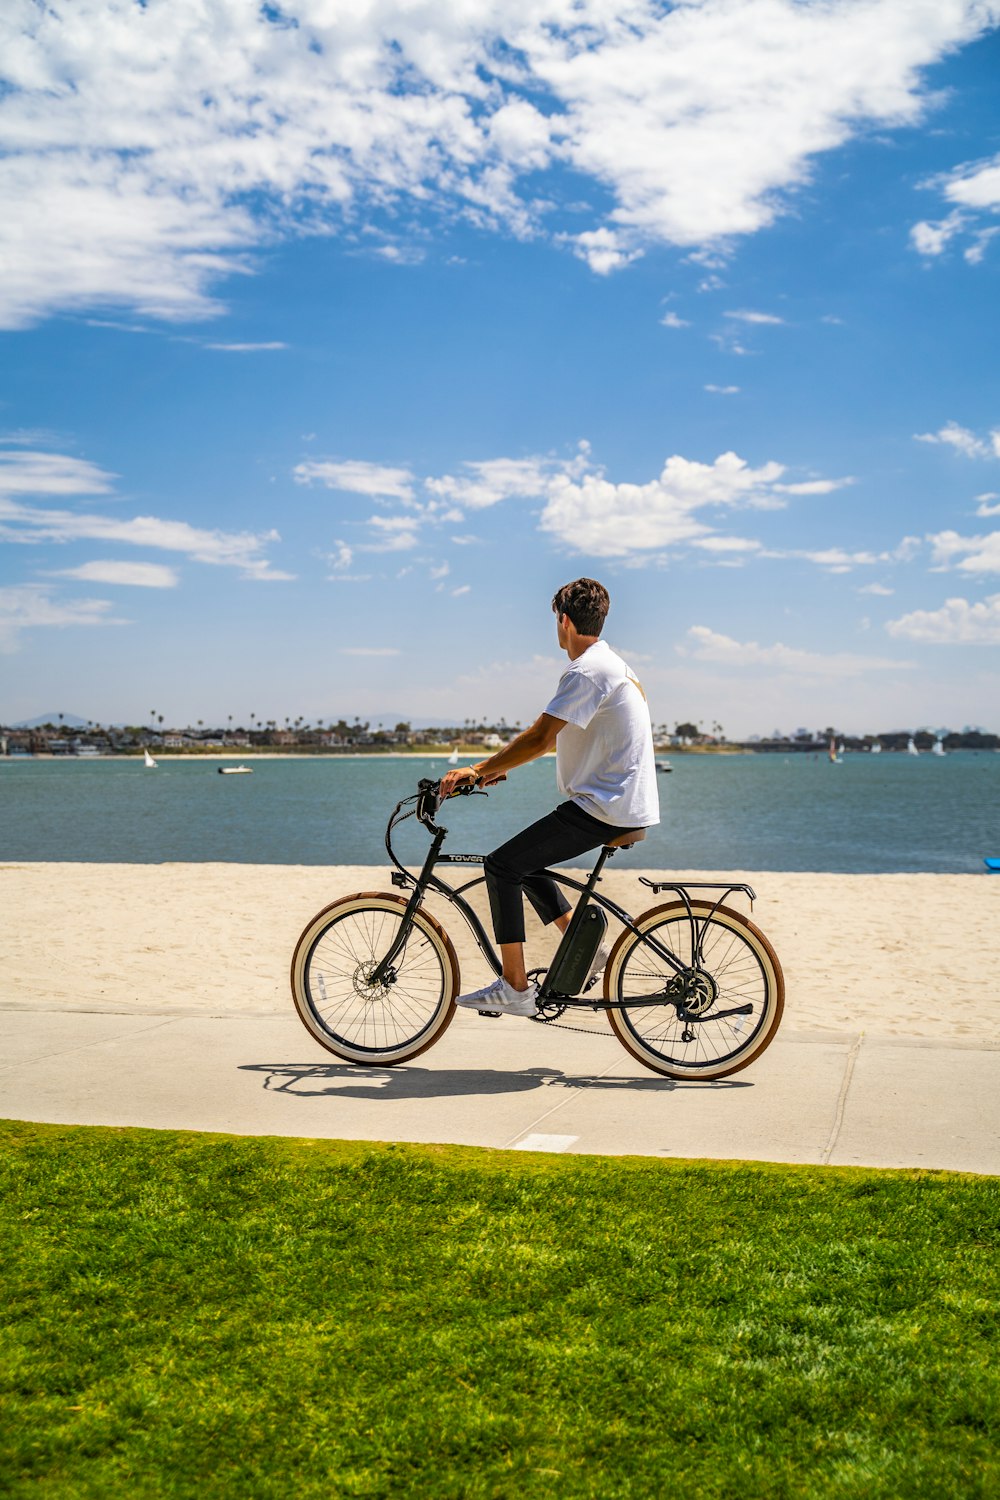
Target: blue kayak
x,y
992,864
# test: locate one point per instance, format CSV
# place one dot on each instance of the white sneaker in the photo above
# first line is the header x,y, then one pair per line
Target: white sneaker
x,y
503,997
599,964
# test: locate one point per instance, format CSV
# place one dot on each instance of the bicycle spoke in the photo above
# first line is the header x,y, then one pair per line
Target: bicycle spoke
x,y
728,961
337,981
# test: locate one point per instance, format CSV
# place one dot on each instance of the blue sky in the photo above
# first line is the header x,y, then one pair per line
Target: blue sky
x,y
334,339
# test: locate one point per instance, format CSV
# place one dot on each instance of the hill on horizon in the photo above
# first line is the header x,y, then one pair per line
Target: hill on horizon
x,y
69,721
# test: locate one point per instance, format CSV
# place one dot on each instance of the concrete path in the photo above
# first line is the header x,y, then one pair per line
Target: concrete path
x,y
819,1097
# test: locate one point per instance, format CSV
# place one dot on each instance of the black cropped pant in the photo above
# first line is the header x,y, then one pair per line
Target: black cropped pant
x,y
511,870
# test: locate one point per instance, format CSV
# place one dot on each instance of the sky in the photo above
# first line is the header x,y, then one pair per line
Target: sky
x,y
336,335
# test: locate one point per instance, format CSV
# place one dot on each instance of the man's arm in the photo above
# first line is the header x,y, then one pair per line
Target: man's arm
x,y
538,740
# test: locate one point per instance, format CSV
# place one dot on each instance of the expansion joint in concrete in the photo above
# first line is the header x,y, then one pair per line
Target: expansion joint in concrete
x,y
845,1085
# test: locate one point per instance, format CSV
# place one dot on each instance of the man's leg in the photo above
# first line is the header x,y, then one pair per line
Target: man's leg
x,y
512,955
511,871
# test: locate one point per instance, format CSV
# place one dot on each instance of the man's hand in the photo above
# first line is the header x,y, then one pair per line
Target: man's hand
x,y
463,776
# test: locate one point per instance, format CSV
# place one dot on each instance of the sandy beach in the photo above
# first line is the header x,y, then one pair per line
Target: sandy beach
x,y
892,955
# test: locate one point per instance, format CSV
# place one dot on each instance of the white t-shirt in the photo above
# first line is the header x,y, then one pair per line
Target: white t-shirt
x,y
604,755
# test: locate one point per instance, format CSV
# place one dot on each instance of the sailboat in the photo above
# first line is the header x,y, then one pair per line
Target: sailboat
x,y
877,748
453,757
834,758
911,748
147,759
938,749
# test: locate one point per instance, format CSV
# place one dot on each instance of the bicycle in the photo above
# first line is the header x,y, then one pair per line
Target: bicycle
x,y
692,989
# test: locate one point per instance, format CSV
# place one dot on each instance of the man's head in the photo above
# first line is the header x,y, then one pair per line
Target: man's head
x,y
585,603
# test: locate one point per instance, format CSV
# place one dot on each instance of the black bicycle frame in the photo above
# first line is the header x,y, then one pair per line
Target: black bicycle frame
x,y
427,880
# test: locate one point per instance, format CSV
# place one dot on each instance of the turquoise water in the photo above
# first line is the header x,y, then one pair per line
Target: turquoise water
x,y
760,812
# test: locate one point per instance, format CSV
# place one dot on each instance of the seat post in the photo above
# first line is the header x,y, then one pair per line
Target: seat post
x,y
601,861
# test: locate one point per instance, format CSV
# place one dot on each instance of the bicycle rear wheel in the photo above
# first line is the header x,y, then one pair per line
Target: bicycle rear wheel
x,y
736,967
331,980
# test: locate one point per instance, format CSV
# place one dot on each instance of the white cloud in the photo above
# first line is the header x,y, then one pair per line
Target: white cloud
x,y
243,550
487,483
932,238
341,557
604,250
358,478
838,560
589,513
747,316
963,440
723,390
709,645
24,472
149,148
984,505
814,486
465,588
671,320
975,188
594,515
142,575
29,606
981,553
878,589
957,623
726,544
392,534
245,348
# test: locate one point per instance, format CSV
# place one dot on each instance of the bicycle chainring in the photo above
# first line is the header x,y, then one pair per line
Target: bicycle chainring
x,y
548,1010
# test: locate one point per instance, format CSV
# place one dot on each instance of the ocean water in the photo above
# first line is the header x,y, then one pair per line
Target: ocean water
x,y
756,812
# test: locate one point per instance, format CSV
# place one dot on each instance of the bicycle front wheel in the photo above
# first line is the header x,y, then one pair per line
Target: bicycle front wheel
x,y
734,999
362,1022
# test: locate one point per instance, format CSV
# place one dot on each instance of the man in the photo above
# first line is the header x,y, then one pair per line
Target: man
x,y
598,722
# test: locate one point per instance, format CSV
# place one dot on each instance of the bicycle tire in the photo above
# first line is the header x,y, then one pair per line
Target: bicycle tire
x,y
742,964
348,1017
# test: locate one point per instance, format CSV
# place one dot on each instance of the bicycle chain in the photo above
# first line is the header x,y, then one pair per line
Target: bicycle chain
x,y
592,1030
588,1030
561,1026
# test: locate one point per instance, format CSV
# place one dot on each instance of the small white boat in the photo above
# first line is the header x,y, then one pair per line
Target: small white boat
x,y
664,766
911,748
236,770
877,748
938,749
147,759
453,757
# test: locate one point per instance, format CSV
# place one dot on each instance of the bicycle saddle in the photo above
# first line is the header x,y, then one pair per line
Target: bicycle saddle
x,y
633,836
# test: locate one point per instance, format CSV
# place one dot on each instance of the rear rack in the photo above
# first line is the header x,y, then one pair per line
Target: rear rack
x,y
683,886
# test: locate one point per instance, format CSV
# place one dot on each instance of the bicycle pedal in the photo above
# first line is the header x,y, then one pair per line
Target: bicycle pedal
x,y
494,1015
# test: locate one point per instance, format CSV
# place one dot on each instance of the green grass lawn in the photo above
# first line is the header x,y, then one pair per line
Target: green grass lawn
x,y
198,1315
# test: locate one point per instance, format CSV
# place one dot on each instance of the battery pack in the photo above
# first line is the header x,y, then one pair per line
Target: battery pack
x,y
574,957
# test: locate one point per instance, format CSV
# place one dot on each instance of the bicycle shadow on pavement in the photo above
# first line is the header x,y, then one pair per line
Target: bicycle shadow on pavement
x,y
351,1081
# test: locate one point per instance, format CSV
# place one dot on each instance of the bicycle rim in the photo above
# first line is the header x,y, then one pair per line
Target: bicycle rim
x,y
743,969
360,1022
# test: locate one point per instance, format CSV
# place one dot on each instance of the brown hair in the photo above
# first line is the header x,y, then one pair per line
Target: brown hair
x,y
586,602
